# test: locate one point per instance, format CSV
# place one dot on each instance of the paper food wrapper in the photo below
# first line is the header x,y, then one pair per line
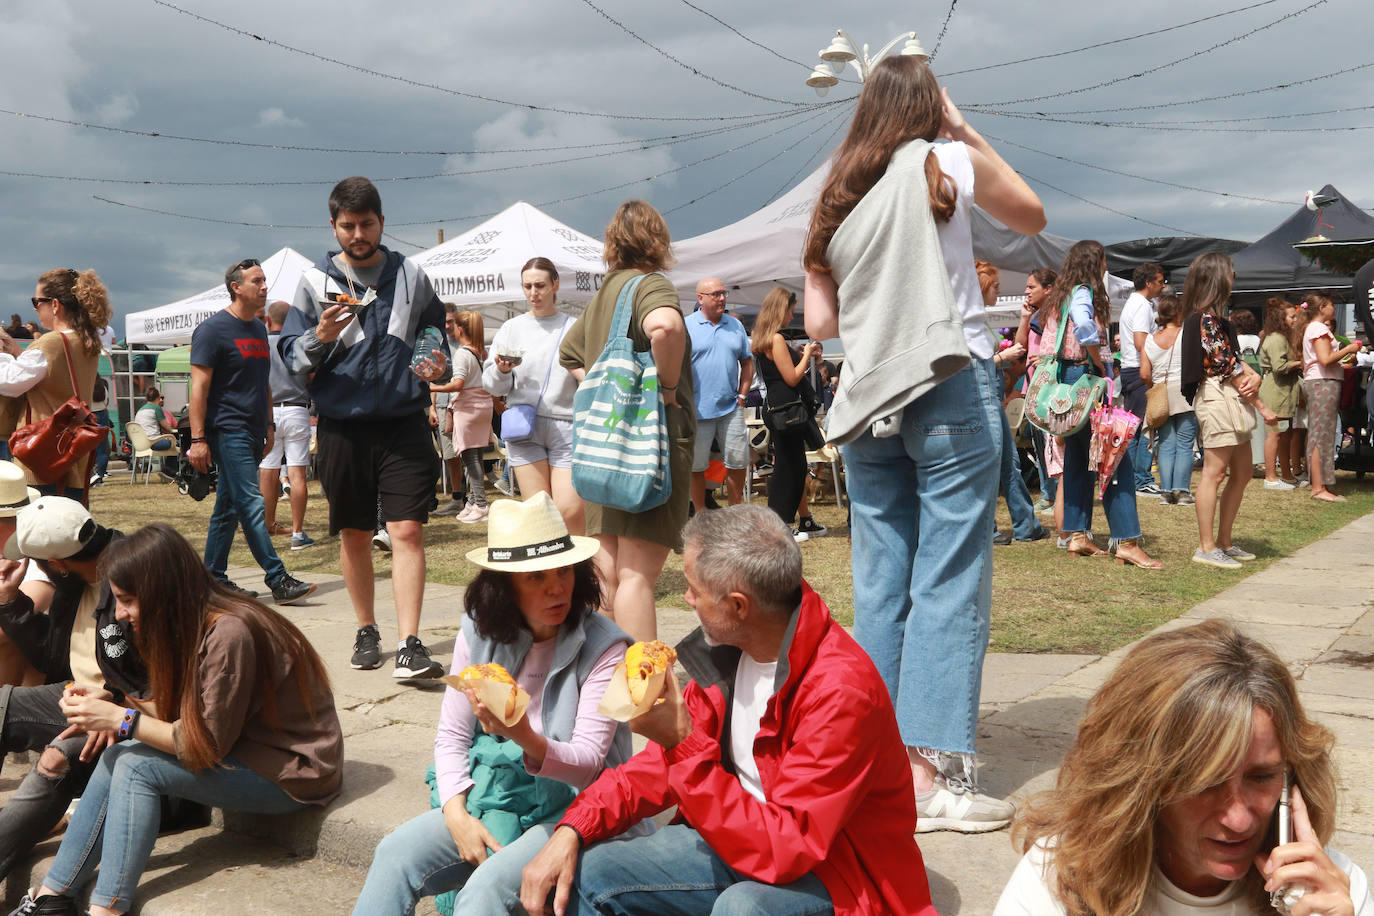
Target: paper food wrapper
x,y
495,696
616,703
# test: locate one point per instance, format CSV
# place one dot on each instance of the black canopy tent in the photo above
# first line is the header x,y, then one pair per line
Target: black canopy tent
x,y
1173,253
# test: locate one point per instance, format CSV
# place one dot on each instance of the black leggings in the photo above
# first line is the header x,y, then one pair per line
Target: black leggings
x,y
476,478
789,474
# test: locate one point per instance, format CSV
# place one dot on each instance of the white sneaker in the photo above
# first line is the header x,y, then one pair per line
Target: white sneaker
x,y
1237,553
1278,485
473,514
952,804
1215,557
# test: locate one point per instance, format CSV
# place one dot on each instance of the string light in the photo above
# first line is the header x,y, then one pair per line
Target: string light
x,y
1139,219
751,41
944,28
215,183
1166,126
1156,69
683,64
825,145
1206,98
1102,168
1113,41
418,84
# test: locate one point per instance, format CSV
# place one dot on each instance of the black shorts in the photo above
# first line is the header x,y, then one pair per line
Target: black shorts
x,y
363,461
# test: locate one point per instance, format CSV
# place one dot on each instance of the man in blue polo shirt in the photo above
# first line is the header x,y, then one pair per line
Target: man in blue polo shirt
x,y
231,422
722,370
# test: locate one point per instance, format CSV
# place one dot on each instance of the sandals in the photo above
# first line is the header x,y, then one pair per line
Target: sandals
x,y
1144,562
1328,497
1081,546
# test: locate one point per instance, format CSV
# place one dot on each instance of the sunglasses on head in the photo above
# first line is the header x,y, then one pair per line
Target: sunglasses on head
x,y
247,263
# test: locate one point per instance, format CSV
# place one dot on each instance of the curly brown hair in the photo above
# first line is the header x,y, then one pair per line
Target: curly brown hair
x,y
490,601
85,303
637,238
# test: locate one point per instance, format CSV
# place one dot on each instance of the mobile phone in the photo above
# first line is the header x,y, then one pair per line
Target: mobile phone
x,y
1285,898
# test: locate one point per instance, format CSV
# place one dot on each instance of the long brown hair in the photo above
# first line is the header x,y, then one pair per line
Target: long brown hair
x,y
900,101
1208,284
85,303
178,602
1173,720
1275,316
1305,315
772,319
1082,267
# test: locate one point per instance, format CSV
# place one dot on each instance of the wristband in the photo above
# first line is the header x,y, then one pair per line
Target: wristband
x,y
129,723
667,388
195,439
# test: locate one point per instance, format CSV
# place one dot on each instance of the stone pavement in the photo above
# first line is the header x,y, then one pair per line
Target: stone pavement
x,y
1313,607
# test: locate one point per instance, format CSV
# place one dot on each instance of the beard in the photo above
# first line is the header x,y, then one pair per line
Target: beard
x,y
369,249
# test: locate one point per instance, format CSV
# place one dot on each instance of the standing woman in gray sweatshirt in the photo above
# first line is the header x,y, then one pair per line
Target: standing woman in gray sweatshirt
x,y
889,260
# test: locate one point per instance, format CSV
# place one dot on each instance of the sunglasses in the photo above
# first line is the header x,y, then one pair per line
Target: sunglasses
x,y
247,263
37,299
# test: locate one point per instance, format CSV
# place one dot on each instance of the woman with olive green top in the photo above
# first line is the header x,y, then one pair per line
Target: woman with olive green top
x,y
1281,390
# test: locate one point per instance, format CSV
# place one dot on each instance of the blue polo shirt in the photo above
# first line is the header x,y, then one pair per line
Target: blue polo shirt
x,y
716,353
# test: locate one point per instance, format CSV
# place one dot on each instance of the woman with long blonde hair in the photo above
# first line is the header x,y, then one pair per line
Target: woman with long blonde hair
x,y
1219,385
1165,802
784,369
889,270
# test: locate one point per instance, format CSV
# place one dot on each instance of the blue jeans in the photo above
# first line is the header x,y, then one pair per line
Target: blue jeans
x,y
1080,484
102,451
673,871
116,822
239,501
1134,394
1047,484
1176,439
1011,484
419,859
923,504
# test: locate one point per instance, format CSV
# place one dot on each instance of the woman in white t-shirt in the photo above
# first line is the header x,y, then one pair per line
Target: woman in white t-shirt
x,y
523,368
1160,363
1321,388
1165,804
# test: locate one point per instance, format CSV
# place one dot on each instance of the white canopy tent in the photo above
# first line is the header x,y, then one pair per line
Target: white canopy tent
x,y
171,325
764,250
480,267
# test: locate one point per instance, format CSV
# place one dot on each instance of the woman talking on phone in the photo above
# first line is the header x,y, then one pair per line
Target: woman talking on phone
x,y
1186,823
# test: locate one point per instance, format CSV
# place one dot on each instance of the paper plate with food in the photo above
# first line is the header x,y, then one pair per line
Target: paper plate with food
x,y
637,681
495,688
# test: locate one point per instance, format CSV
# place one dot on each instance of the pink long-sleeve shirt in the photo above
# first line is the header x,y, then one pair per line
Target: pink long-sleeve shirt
x,y
575,762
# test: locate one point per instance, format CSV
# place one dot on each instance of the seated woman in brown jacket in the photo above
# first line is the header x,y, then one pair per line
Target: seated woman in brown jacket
x,y
240,717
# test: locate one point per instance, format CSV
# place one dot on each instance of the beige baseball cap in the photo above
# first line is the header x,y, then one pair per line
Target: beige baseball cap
x,y
51,528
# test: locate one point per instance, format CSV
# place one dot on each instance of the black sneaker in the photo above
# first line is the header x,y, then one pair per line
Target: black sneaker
x,y
1150,489
367,649
288,589
414,661
812,528
238,589
1001,539
47,905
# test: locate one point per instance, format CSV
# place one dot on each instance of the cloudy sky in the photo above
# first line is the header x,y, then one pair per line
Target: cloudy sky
x,y
705,114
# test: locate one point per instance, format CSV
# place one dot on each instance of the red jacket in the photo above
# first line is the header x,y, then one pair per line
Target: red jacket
x,y
840,799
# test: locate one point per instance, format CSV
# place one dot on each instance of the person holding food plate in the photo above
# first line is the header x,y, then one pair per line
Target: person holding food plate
x,y
506,771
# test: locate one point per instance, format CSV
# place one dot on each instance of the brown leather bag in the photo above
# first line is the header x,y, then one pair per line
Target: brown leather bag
x,y
50,447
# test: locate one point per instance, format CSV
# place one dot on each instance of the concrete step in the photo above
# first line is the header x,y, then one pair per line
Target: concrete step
x,y
319,855
210,872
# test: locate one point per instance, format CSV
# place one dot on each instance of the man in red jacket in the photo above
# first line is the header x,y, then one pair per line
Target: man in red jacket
x,y
791,782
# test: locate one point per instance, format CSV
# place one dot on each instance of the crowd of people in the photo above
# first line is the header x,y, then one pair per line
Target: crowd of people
x,y
801,762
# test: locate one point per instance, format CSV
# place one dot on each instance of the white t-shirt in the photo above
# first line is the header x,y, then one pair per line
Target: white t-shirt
x,y
956,247
1138,314
753,687
1028,893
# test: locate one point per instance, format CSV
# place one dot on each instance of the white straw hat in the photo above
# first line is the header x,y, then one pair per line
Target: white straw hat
x,y
15,493
530,535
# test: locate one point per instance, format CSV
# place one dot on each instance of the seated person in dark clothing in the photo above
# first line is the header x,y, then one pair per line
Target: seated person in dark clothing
x,y
78,641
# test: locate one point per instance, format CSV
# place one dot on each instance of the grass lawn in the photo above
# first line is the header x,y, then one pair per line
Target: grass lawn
x,y
1042,599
